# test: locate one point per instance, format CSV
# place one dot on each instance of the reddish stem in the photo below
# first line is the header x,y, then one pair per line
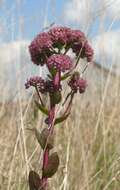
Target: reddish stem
x,y
46,151
45,158
56,80
45,162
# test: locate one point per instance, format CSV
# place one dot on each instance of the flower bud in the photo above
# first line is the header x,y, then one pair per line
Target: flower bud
x,y
52,165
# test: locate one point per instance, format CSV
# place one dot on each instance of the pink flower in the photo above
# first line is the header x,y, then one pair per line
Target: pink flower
x,y
36,81
59,34
88,52
77,84
42,46
60,62
39,48
79,44
76,36
85,50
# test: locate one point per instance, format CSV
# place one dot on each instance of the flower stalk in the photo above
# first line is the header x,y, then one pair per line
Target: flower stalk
x,y
51,49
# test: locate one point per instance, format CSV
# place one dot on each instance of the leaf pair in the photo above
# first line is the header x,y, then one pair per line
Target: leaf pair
x,y
46,112
35,183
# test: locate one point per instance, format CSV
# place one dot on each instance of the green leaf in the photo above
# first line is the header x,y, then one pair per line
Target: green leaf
x,y
61,119
41,108
52,165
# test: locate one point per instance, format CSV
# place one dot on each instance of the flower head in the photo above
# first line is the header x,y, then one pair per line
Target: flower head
x,y
60,62
36,81
79,44
76,36
88,52
59,34
39,48
77,84
85,50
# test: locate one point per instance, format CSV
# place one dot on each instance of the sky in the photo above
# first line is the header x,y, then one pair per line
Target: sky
x,y
22,20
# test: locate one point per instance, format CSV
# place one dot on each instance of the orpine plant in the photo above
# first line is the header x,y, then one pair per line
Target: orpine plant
x,y
50,48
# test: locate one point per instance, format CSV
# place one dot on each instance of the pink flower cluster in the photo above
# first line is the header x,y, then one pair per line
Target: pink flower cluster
x,y
39,48
59,62
76,36
88,52
42,47
77,84
60,35
36,81
84,50
42,85
46,49
74,39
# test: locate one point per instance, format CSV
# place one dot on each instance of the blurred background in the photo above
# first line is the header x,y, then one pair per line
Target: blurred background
x,y
89,142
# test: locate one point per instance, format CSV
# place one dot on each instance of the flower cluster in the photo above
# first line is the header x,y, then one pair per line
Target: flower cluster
x,y
60,35
43,45
38,82
59,62
77,35
40,48
88,52
85,51
42,85
77,84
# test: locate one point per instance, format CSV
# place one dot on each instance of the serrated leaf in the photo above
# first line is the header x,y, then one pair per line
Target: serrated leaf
x,y
41,108
61,119
44,138
52,166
